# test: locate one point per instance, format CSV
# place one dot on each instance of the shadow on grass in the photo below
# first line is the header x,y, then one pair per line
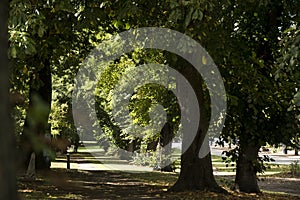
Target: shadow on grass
x,y
75,184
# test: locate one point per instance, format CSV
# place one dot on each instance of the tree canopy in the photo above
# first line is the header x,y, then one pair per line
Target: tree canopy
x,y
255,45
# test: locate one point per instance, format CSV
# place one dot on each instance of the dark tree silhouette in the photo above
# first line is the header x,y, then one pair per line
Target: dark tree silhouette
x,y
7,150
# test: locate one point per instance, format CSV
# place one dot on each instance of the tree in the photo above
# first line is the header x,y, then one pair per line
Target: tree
x,y
8,189
242,38
288,75
140,105
248,45
186,17
196,173
43,43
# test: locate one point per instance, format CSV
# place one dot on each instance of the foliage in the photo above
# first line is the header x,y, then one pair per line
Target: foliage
x,y
149,160
294,168
140,103
246,55
255,44
288,75
42,31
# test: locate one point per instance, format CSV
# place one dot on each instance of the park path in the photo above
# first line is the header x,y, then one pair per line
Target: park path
x,y
279,156
96,160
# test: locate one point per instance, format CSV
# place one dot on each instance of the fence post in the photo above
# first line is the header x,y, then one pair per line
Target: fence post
x,y
68,161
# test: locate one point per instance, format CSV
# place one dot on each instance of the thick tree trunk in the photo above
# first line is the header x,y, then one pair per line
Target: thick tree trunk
x,y
246,180
8,189
196,173
44,92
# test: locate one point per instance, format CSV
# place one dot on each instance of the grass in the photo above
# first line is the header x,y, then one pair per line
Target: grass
x,y
276,167
217,162
220,165
216,158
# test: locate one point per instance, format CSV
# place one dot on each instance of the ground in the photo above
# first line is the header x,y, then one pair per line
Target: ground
x,y
77,184
100,183
281,183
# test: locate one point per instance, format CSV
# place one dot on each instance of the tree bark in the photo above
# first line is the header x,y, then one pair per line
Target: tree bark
x,y
166,136
196,173
246,179
8,188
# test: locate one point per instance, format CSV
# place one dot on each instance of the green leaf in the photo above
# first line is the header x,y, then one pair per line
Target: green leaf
x,y
118,24
127,26
188,17
297,98
41,31
234,100
197,15
13,52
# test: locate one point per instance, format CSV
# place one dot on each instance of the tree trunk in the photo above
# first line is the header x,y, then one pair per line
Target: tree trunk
x,y
43,91
166,136
297,145
8,188
151,146
196,173
246,180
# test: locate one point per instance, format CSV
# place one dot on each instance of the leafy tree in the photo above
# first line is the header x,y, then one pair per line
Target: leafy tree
x,y
184,16
139,106
42,41
241,36
247,48
288,75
